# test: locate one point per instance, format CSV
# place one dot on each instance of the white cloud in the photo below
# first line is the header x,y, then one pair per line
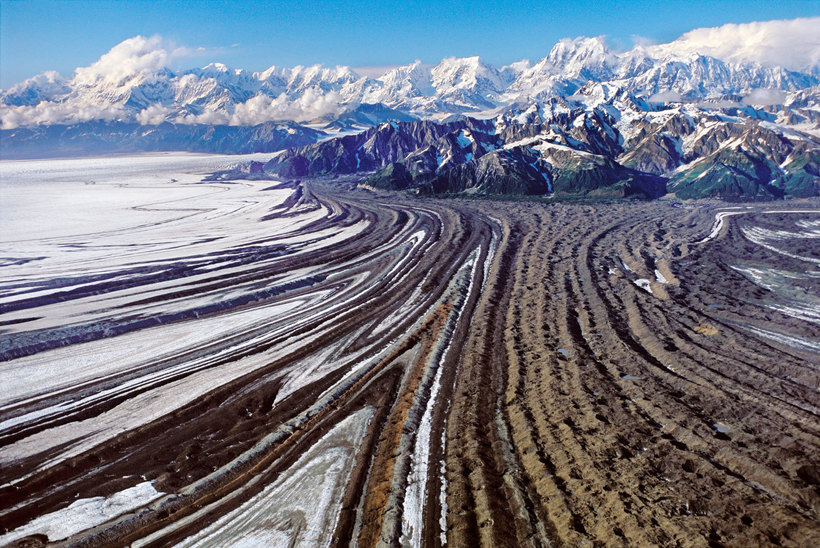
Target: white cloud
x,y
793,43
763,97
310,105
47,83
717,103
665,97
212,117
49,112
643,41
137,56
153,115
374,71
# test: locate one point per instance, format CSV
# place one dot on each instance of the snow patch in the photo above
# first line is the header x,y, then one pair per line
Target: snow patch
x,y
84,514
302,506
465,138
659,277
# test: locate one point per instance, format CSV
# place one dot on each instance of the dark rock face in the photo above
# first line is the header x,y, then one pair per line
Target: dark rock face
x,y
369,150
754,164
809,473
656,154
499,172
601,142
394,176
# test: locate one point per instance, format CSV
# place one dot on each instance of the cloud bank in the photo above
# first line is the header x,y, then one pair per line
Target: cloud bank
x,y
763,97
50,112
793,44
312,104
137,56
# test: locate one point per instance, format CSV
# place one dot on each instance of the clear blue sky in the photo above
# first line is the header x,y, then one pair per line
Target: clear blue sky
x,y
60,35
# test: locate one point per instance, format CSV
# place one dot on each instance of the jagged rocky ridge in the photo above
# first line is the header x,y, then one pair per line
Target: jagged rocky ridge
x,y
602,141
583,120
217,94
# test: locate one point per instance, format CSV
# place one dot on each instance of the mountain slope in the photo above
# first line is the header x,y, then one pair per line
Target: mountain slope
x,y
602,141
582,120
216,94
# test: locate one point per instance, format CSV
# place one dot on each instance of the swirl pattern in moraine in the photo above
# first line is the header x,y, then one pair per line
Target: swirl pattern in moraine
x,y
651,394
205,354
305,364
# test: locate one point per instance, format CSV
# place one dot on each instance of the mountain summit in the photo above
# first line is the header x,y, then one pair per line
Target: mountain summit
x,y
132,83
693,117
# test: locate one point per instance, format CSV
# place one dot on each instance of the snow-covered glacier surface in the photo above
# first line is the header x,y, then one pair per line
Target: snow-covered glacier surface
x,y
89,246
48,199
130,287
227,343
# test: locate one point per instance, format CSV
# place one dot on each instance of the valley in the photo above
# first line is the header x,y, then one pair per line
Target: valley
x,y
305,363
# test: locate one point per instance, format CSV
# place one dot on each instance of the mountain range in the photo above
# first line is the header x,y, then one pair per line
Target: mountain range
x,y
602,141
216,94
583,120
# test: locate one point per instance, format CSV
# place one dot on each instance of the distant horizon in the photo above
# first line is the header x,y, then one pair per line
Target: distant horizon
x,y
364,35
760,51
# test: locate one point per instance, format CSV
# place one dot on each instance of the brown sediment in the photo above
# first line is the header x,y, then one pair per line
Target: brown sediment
x,y
577,408
389,445
611,404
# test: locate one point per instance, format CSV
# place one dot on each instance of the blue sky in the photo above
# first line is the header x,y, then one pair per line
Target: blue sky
x,y
61,35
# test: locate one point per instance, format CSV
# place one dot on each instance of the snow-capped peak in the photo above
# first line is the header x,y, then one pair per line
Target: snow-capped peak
x,y
133,82
399,83
586,57
465,73
214,68
510,72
